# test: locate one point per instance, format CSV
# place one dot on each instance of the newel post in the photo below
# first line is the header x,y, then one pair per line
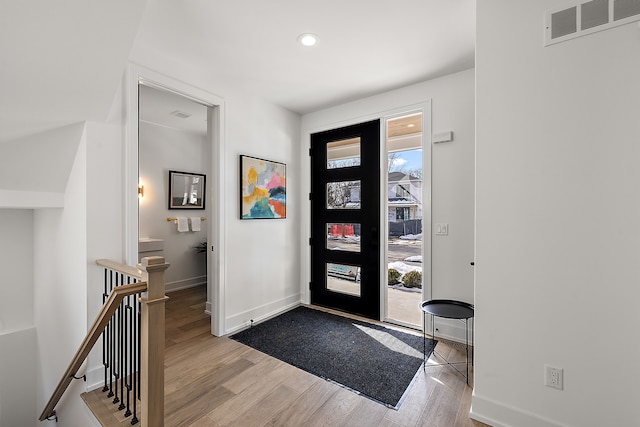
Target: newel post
x,y
152,342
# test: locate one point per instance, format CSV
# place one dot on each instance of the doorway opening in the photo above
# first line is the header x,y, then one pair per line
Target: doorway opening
x,y
405,209
173,136
214,156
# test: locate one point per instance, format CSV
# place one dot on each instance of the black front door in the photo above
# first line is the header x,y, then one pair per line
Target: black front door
x,y
345,219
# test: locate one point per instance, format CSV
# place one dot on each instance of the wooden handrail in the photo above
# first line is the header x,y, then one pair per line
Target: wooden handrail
x,y
108,309
136,273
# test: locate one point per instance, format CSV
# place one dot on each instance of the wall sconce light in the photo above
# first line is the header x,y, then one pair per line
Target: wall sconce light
x,y
140,191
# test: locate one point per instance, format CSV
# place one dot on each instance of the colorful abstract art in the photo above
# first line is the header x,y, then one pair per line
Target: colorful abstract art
x,y
263,189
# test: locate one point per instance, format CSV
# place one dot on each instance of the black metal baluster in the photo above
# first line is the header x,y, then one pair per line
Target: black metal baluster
x,y
127,349
130,357
138,360
104,335
121,339
135,359
111,340
116,348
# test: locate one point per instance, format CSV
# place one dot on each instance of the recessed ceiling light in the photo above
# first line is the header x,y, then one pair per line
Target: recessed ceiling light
x,y
410,125
308,39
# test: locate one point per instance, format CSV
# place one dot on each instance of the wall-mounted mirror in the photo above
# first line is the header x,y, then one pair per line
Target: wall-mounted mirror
x,y
186,190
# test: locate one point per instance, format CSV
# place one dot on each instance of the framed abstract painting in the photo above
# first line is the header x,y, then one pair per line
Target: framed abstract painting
x,y
263,189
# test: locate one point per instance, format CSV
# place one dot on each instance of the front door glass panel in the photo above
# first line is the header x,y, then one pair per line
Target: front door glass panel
x,y
344,153
344,279
343,195
343,237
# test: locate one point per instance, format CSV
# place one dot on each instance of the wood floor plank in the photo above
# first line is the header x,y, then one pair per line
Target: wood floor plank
x,y
188,412
299,412
366,413
197,351
205,322
251,375
413,404
336,410
230,410
200,385
102,412
256,356
177,377
298,379
442,407
264,409
388,423
204,328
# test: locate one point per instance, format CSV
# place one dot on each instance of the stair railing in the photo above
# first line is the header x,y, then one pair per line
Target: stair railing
x,y
147,346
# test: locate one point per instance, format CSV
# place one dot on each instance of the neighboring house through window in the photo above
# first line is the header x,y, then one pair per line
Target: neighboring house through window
x,y
405,195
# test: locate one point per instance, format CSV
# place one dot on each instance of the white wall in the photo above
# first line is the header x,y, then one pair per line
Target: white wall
x,y
43,257
264,259
27,179
24,163
17,332
163,149
16,264
452,173
60,277
104,211
18,377
557,208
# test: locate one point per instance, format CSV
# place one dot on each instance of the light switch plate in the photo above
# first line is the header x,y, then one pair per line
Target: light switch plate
x,y
442,229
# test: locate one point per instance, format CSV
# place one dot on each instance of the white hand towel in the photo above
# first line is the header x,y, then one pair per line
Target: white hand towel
x,y
183,224
195,223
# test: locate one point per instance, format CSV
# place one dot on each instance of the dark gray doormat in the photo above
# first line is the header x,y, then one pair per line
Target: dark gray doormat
x,y
371,360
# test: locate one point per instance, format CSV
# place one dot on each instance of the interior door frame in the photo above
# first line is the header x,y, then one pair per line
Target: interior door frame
x,y
216,235
305,215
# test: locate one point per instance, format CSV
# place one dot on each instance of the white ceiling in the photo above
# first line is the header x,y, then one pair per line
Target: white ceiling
x,y
61,62
365,47
157,106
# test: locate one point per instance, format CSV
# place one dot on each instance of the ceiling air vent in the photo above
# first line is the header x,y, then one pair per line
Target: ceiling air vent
x,y
180,114
582,18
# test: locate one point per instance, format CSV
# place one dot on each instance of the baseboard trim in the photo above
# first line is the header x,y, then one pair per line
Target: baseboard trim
x,y
497,414
485,420
95,378
259,314
179,285
450,329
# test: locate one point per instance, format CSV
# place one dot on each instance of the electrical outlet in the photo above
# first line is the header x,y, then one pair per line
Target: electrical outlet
x,y
553,377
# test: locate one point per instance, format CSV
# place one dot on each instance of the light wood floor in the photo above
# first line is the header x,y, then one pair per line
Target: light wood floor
x,y
212,381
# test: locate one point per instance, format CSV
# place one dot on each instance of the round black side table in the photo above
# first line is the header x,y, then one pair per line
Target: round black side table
x,y
449,309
